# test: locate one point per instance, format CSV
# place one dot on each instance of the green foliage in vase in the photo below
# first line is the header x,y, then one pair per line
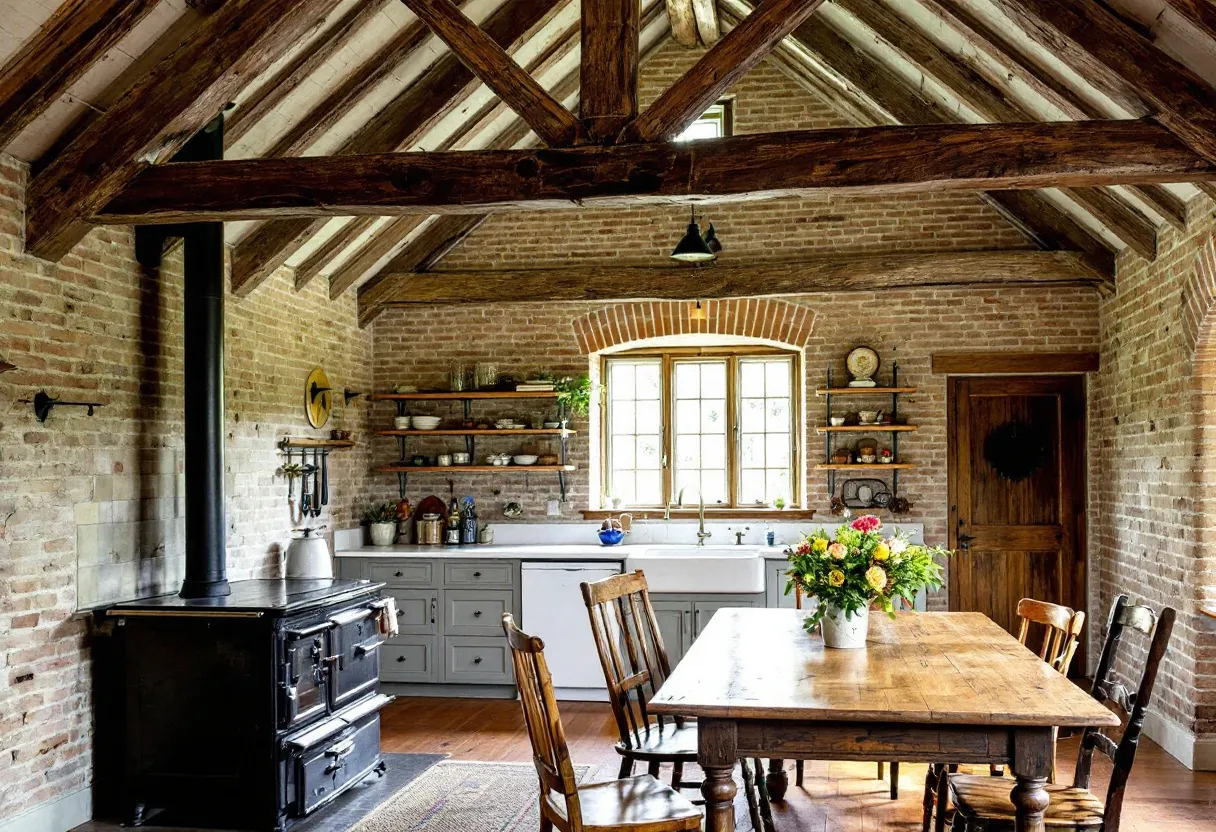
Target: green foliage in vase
x,y
380,513
858,566
574,394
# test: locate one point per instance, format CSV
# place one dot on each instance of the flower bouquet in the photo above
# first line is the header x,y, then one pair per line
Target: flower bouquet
x,y
854,569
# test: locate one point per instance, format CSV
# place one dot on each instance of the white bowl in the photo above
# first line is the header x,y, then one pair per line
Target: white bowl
x,y
525,459
401,422
425,422
552,425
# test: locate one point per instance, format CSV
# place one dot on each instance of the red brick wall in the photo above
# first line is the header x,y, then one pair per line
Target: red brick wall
x,y
91,507
1152,465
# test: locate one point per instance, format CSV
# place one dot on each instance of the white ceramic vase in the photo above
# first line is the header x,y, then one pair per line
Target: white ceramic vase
x,y
845,631
383,534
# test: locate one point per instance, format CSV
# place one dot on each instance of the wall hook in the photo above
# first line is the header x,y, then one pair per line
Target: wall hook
x,y
349,396
44,404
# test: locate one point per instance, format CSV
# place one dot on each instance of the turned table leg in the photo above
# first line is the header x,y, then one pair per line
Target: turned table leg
x,y
777,780
717,753
1032,757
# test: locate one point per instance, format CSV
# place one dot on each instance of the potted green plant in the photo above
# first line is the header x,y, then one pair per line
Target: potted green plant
x,y
381,520
855,568
573,396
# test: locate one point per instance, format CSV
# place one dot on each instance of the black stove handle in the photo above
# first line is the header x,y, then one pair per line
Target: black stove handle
x,y
315,629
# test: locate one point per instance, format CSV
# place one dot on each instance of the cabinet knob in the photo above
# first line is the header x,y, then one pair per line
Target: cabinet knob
x,y
476,574
397,574
401,658
477,660
400,613
477,614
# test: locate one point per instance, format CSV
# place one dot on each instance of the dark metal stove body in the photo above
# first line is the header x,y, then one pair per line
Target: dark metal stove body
x,y
245,711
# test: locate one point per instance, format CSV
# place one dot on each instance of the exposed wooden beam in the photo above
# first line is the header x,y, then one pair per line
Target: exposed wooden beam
x,y
556,125
64,47
1014,363
1096,42
400,125
718,69
608,96
1201,14
836,273
683,23
706,13
289,77
377,248
1056,230
869,160
161,113
331,248
1126,224
1164,201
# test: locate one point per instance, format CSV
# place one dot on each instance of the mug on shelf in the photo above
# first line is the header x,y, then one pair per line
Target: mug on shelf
x,y
444,459
460,459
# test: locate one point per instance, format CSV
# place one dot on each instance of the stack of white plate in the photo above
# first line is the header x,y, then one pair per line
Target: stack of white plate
x,y
425,422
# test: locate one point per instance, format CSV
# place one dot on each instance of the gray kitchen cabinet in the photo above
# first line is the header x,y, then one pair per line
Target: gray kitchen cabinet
x,y
498,574
476,660
476,612
684,616
410,659
417,611
402,572
775,580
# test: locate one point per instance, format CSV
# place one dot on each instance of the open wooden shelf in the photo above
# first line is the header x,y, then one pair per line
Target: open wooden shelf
x,y
864,466
862,391
474,469
476,432
864,428
464,395
316,443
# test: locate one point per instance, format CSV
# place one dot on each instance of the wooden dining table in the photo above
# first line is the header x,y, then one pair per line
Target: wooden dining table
x,y
929,687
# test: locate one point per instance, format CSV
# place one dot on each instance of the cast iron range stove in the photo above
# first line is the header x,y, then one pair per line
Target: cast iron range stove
x,y
245,705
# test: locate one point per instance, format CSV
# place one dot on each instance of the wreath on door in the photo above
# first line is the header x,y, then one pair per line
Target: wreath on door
x,y
1016,449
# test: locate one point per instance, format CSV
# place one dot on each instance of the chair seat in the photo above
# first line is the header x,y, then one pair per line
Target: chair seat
x,y
639,803
984,800
673,744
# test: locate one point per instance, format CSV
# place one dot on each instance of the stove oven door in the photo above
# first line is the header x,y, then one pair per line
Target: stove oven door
x,y
304,667
354,644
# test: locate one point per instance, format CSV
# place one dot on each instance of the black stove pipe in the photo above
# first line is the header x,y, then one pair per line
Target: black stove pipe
x,y
203,302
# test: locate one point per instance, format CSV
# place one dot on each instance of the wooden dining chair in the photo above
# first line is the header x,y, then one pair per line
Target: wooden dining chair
x,y
633,804
982,803
1062,627
800,765
635,664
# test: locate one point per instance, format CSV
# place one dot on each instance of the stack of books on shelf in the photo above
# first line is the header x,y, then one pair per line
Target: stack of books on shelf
x,y
534,386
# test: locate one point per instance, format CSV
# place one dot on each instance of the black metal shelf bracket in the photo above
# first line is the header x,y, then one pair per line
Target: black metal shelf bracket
x,y
44,404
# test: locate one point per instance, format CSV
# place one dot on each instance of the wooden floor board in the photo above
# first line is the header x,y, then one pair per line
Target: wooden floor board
x,y
1163,795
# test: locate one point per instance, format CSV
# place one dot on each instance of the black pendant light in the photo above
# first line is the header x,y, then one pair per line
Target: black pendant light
x,y
693,248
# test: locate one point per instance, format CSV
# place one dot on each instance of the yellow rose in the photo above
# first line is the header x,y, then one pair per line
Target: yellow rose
x,y
836,578
881,552
876,577
820,545
838,551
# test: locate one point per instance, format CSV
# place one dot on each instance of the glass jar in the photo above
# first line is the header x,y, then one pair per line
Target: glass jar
x,y
485,375
456,377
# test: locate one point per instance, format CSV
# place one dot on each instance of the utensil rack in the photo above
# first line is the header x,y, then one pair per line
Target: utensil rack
x,y
829,431
402,468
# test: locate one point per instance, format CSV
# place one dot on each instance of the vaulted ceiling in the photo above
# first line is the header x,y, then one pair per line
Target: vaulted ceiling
x,y
345,77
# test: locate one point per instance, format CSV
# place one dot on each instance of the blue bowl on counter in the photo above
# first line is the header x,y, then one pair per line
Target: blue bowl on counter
x,y
611,537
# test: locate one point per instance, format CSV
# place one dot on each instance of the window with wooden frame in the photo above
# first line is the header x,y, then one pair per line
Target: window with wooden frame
x,y
713,423
714,123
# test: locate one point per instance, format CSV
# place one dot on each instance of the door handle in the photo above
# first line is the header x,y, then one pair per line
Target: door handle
x,y
964,540
433,602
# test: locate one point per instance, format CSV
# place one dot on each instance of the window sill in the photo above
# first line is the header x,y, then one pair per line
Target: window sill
x,y
770,514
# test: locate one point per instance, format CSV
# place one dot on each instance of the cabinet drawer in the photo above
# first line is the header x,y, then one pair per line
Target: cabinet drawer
x,y
474,660
475,612
402,572
409,659
496,574
417,611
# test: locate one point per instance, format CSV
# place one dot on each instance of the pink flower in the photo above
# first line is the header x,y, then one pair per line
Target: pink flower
x,y
838,551
867,523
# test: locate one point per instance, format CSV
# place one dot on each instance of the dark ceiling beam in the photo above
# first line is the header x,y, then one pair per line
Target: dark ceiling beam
x,y
400,125
289,77
608,64
1094,41
1055,229
314,264
1200,13
160,113
718,69
489,61
827,273
882,160
71,40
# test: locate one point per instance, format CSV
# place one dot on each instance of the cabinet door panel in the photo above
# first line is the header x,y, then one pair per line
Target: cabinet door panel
x,y
417,611
475,612
409,659
674,626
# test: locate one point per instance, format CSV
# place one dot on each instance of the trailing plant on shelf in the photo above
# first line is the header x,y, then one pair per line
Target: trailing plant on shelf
x,y
856,567
573,394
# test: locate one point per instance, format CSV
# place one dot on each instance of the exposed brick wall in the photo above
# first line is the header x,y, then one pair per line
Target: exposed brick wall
x,y
91,507
773,231
1153,425
773,320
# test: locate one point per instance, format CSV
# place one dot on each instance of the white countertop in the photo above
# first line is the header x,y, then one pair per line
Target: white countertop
x,y
533,551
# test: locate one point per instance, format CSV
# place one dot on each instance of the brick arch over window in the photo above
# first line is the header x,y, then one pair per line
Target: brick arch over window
x,y
1197,304
623,323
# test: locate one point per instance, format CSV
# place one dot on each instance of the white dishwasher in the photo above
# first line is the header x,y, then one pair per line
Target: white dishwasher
x,y
553,609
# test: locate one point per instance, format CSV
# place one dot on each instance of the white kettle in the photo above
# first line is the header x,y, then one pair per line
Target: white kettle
x,y
308,556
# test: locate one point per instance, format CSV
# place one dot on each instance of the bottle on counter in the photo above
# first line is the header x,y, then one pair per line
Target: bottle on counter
x,y
468,522
405,514
452,537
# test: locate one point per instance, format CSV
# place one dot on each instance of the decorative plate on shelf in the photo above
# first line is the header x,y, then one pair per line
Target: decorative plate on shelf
x,y
863,364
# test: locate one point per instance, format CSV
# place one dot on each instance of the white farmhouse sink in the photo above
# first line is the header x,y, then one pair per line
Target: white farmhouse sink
x,y
736,569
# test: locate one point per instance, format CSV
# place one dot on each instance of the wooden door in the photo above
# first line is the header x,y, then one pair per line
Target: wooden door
x,y
1017,494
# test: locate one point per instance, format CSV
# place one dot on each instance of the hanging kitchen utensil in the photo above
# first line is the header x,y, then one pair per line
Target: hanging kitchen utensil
x,y
318,398
325,478
316,484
